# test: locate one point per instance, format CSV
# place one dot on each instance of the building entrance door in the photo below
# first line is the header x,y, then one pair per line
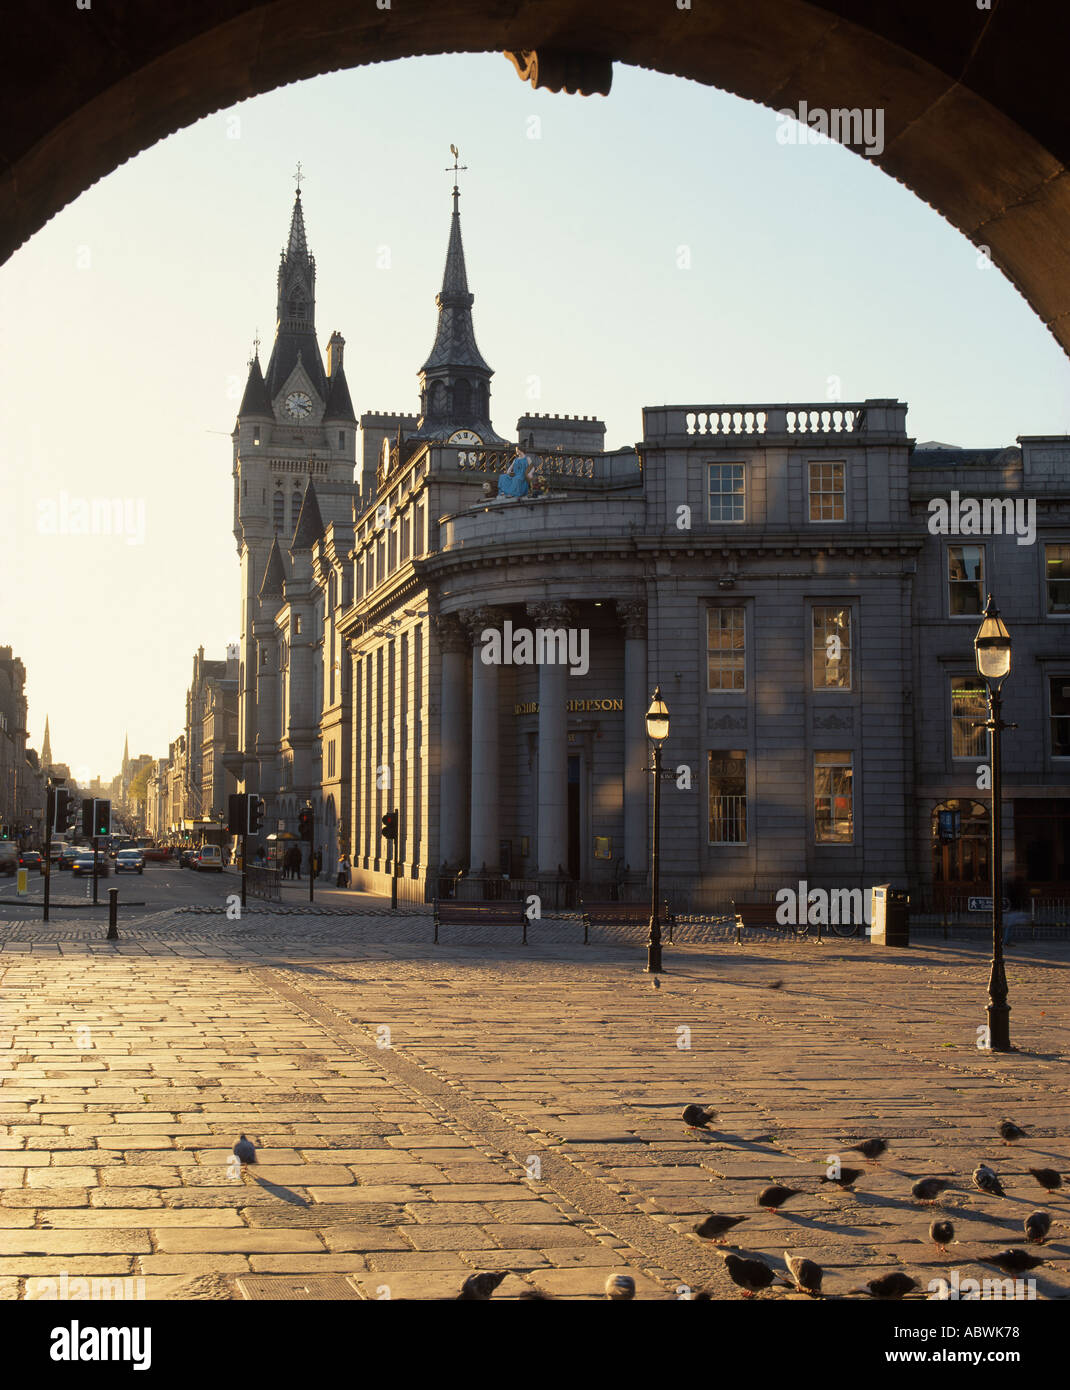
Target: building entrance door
x,y
961,841
575,762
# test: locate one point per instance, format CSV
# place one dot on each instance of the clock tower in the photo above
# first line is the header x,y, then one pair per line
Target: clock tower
x,y
295,426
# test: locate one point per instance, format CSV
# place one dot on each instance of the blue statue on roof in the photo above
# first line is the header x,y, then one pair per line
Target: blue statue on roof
x,y
515,481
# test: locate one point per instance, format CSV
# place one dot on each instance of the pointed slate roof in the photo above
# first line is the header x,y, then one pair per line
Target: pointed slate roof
x,y
455,339
255,401
339,403
274,573
46,747
296,310
310,523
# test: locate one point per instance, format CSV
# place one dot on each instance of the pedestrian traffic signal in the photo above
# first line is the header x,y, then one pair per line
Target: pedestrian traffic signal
x,y
306,822
390,826
255,814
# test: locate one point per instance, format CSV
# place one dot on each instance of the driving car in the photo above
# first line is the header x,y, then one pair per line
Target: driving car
x,y
83,864
30,859
67,855
185,858
131,860
208,858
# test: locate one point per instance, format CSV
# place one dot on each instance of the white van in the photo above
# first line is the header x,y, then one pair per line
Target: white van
x,y
208,857
9,857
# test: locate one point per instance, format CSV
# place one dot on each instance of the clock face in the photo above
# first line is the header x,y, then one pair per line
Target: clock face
x,y
298,405
464,437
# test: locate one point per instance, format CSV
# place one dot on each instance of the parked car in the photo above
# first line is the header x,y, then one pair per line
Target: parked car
x,y
30,859
209,858
83,864
131,860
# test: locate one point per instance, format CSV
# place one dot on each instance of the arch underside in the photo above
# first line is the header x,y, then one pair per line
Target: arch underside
x,y
974,121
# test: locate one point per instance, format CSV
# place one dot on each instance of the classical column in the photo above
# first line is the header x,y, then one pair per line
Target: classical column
x,y
454,646
483,849
553,745
632,617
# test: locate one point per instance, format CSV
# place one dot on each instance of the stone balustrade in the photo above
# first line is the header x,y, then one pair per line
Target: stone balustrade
x,y
767,423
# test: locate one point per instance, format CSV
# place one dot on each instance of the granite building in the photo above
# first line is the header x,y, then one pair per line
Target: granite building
x,y
470,632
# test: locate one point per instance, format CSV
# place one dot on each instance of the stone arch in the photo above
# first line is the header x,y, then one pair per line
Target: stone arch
x,y
973,118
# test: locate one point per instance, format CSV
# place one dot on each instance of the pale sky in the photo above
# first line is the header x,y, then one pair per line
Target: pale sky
x,y
658,245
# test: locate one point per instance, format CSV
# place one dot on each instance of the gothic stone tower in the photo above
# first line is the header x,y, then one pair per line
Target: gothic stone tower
x,y
295,425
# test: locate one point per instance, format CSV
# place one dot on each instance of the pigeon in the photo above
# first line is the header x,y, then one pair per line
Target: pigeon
x,y
846,1178
928,1189
695,1117
869,1148
775,1196
1048,1178
750,1275
620,1287
655,983
1009,1131
1012,1261
893,1285
479,1287
715,1226
941,1233
1037,1225
806,1274
985,1180
245,1150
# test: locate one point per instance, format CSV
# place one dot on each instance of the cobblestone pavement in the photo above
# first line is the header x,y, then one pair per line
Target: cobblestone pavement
x,y
423,1112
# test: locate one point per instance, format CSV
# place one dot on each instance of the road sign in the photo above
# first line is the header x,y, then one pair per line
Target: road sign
x,y
985,904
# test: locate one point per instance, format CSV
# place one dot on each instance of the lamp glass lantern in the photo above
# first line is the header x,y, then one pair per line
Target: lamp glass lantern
x,y
992,645
657,719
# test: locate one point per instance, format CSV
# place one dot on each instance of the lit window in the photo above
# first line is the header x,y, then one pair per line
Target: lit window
x,y
726,496
965,580
1057,577
728,798
725,651
828,500
832,649
833,798
969,710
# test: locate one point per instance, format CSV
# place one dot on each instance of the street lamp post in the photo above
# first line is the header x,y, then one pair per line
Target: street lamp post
x,y
992,647
657,730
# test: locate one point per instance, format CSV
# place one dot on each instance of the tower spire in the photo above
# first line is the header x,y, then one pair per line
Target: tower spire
x,y
295,334
46,749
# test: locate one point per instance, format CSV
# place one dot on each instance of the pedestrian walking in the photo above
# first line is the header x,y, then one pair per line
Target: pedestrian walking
x,y
1018,915
343,871
260,855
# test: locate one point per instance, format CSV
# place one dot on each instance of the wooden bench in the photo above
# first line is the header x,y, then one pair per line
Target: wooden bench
x,y
602,914
759,915
450,912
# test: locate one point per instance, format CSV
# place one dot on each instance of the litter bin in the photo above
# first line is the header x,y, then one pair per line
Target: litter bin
x,y
890,916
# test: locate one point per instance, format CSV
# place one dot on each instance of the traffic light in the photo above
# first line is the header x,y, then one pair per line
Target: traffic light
x,y
306,822
236,807
87,815
62,810
255,814
101,818
390,826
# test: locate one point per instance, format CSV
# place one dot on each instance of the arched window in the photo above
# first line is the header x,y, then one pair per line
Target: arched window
x,y
462,400
297,307
438,398
295,508
278,518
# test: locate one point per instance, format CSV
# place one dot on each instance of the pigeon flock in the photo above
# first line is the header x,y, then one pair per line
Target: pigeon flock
x,y
752,1275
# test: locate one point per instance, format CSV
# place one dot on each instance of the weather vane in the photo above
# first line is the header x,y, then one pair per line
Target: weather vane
x,y
455,168
256,343
299,177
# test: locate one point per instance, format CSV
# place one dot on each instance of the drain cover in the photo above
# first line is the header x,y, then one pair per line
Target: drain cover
x,y
298,1287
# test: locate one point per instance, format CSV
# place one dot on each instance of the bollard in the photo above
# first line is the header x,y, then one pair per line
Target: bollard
x,y
113,913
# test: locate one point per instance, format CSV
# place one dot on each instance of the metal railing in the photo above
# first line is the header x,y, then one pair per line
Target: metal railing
x,y
264,883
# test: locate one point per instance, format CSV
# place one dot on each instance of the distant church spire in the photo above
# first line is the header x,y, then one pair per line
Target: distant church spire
x,y
126,753
46,748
